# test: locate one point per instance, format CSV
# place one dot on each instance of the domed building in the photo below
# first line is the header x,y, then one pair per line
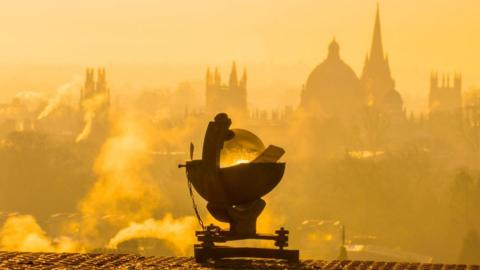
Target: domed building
x,y
333,90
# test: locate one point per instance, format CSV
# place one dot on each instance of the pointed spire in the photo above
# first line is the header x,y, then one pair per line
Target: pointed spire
x,y
101,75
333,49
218,79
99,86
243,81
89,75
89,83
208,77
458,81
434,80
376,51
233,76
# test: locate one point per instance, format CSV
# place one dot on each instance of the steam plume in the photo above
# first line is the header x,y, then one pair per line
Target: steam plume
x,y
90,106
177,232
22,233
123,188
57,99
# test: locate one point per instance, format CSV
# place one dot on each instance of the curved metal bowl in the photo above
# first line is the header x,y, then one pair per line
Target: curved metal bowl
x,y
237,184
250,181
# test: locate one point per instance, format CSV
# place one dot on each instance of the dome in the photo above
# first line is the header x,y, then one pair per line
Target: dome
x,y
393,98
392,103
333,88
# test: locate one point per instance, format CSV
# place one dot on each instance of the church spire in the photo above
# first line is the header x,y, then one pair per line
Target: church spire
x,y
376,51
218,78
208,77
243,80
233,77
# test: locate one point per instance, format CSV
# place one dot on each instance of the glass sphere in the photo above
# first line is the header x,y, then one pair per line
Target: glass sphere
x,y
242,148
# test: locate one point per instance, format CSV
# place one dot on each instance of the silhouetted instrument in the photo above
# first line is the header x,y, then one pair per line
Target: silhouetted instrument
x,y
234,194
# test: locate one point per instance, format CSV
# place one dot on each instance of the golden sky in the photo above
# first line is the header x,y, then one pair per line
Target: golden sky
x,y
280,41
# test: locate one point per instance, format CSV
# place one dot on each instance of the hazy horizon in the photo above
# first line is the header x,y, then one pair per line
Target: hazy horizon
x,y
152,41
102,100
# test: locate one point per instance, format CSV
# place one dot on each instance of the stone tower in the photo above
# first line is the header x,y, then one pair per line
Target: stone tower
x,y
95,101
445,96
230,98
377,81
92,88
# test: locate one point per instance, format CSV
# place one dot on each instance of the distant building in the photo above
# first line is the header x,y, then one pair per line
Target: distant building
x,y
377,80
95,101
95,89
16,116
445,97
334,90
21,113
230,98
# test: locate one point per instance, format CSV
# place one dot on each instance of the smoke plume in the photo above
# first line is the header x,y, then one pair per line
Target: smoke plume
x,y
57,99
125,197
90,107
22,233
177,232
123,187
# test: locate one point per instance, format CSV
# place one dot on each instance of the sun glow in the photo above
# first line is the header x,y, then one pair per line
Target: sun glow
x,y
241,161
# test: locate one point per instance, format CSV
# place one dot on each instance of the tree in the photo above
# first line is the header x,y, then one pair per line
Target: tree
x,y
471,123
462,196
374,126
470,253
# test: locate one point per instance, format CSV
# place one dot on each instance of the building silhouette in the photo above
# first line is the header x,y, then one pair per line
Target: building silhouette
x,y
95,88
376,78
95,100
445,97
332,88
230,98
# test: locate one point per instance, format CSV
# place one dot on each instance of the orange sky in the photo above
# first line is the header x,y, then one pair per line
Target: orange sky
x,y
280,41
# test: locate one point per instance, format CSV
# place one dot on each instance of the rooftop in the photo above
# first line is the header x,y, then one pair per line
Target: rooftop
x,y
22,260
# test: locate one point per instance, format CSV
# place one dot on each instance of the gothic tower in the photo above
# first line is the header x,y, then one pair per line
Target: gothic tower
x,y
92,88
233,77
95,99
376,78
444,96
231,98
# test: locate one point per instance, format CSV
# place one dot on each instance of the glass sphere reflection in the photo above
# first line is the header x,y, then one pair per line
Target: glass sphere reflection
x,y
243,148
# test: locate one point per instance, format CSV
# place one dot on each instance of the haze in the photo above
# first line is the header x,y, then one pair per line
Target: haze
x,y
151,43
101,101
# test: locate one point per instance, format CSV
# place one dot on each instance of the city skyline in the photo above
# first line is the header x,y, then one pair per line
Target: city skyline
x,y
137,37
116,114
